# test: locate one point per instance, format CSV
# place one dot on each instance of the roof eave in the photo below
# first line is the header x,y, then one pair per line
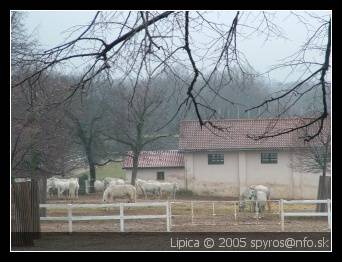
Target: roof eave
x,y
240,149
154,167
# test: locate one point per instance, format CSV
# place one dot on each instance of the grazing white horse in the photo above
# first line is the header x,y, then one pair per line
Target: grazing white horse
x,y
247,194
99,186
107,181
251,194
261,200
148,187
169,189
62,186
118,191
117,181
267,192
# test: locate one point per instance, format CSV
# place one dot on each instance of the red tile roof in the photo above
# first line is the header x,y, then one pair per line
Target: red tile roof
x,y
235,135
161,158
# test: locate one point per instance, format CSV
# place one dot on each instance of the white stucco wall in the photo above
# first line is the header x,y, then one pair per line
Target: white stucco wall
x,y
244,168
240,170
277,176
216,180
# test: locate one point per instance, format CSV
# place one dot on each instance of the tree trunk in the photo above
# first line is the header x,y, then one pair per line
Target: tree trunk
x,y
324,192
135,168
92,172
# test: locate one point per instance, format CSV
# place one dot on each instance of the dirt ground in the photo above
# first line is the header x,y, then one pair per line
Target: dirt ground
x,y
203,219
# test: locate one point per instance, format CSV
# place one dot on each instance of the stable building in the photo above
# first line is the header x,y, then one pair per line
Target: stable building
x,y
224,161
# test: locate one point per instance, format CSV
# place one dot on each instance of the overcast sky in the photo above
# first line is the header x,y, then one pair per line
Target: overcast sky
x,y
50,27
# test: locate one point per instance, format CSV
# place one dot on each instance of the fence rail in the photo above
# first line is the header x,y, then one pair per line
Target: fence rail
x,y
214,207
122,217
304,214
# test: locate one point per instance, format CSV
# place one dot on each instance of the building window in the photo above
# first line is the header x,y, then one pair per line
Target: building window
x,y
215,159
269,158
160,176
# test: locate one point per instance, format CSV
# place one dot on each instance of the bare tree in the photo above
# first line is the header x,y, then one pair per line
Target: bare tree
x,y
86,122
132,122
39,138
316,158
315,76
163,41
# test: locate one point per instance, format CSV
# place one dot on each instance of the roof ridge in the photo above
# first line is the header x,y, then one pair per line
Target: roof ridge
x,y
250,119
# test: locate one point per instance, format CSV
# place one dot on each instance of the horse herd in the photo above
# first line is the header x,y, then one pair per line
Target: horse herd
x,y
62,187
116,188
256,197
112,188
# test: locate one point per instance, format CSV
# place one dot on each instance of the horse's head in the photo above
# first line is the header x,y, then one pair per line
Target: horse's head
x,y
252,194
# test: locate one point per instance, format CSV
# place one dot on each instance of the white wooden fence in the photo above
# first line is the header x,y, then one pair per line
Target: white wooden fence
x,y
168,211
192,204
304,214
122,217
280,211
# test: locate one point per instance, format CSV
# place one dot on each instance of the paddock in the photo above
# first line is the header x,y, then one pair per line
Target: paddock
x,y
187,214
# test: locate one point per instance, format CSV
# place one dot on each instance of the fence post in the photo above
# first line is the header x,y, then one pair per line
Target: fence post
x,y
282,214
86,186
329,212
170,208
235,214
214,209
257,210
192,212
168,214
70,217
122,229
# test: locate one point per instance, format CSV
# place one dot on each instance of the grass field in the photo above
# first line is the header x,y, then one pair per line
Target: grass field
x,y
109,170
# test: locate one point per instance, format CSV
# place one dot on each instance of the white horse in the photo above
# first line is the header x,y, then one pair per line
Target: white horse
x,y
73,188
119,191
148,187
99,186
264,189
62,187
251,195
51,186
247,194
169,188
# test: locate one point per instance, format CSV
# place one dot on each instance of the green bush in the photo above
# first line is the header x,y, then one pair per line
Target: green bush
x,y
185,192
